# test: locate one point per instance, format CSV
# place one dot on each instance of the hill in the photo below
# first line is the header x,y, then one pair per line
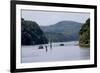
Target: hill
x,y
31,34
85,34
62,31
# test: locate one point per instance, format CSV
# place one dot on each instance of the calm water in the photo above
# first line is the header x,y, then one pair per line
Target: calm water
x,y
70,51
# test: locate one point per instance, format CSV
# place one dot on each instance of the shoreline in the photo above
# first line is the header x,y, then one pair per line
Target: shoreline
x,y
84,45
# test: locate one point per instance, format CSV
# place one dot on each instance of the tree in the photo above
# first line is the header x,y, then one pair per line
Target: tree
x,y
84,33
31,34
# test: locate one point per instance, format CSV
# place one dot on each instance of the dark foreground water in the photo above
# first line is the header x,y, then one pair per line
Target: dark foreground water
x,y
70,51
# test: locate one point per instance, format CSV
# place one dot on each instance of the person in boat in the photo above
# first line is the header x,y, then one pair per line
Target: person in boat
x,y
46,47
50,44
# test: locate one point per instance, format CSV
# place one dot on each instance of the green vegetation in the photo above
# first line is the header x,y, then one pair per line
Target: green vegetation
x,y
62,31
84,33
31,34
61,37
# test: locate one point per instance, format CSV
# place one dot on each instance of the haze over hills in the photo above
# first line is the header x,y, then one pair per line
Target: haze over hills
x,y
62,31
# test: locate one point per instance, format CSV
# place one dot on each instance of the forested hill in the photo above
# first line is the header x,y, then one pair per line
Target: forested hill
x,y
62,31
63,26
85,34
31,34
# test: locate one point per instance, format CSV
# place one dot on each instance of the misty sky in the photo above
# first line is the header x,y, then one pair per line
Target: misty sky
x,y
45,18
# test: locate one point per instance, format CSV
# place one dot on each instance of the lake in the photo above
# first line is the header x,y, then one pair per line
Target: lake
x,y
58,52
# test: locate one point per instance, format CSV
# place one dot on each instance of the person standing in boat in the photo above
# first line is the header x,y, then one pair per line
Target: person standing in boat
x,y
46,47
50,44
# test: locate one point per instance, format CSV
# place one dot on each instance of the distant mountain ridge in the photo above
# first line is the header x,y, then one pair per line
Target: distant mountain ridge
x,y
62,31
62,26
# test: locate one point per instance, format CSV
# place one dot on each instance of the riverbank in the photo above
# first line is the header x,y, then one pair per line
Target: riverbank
x,y
84,45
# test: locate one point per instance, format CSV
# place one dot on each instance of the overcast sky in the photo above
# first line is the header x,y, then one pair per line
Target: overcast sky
x,y
45,18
